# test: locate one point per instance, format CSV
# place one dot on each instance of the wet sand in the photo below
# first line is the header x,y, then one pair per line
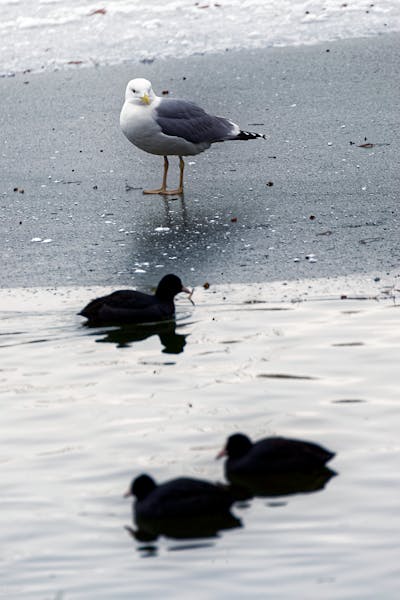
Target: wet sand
x,y
330,198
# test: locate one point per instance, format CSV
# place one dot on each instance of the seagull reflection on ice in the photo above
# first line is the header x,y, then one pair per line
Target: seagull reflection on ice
x,y
170,211
123,337
275,466
182,508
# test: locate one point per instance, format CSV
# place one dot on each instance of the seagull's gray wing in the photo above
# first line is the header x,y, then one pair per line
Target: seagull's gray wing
x,y
188,121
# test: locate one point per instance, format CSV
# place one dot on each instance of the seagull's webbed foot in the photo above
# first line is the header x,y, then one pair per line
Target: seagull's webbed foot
x,y
164,191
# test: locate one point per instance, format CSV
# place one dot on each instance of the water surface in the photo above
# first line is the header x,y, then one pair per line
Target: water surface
x,y
83,413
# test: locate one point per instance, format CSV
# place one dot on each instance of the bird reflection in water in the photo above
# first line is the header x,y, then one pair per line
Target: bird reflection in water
x,y
124,336
280,484
184,528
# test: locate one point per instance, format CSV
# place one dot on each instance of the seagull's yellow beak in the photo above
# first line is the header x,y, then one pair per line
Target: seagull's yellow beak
x,y
145,99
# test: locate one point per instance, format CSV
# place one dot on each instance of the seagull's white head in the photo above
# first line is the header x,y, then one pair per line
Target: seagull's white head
x,y
139,91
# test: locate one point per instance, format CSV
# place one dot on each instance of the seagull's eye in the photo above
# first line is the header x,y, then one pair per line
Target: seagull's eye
x,y
134,91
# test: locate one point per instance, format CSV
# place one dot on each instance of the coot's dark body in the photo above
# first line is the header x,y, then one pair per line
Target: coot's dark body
x,y
129,306
181,508
276,464
181,497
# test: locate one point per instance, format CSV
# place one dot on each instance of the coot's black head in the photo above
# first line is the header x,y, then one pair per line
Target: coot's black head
x,y
169,287
141,487
237,445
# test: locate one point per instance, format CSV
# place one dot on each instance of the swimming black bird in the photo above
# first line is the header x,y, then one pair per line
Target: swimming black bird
x,y
271,456
181,497
129,306
181,508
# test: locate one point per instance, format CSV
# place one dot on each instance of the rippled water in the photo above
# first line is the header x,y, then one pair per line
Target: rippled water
x,y
83,411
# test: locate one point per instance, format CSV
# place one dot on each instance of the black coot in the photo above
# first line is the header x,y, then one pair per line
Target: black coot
x,y
276,465
181,497
181,508
129,306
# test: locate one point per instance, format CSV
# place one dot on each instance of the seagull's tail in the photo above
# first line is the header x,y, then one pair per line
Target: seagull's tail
x,y
249,135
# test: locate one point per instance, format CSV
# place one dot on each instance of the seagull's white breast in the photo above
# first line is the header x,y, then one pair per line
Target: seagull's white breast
x,y
140,127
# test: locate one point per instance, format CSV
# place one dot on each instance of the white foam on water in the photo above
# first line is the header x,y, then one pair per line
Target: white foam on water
x,y
54,33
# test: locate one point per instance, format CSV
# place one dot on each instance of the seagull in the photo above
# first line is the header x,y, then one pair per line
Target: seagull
x,y
168,126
